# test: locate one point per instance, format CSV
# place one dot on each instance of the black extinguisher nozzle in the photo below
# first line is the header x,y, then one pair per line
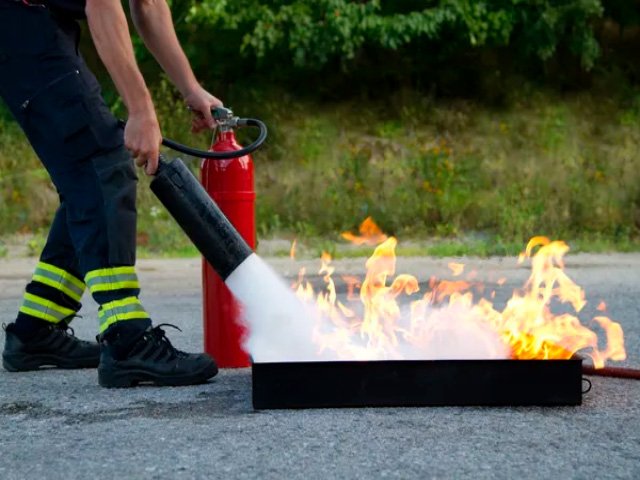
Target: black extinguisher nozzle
x,y
199,216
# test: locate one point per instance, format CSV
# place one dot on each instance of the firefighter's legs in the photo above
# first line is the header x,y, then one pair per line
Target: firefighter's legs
x,y
57,101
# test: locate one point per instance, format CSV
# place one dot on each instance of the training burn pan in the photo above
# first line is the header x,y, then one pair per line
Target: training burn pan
x,y
417,383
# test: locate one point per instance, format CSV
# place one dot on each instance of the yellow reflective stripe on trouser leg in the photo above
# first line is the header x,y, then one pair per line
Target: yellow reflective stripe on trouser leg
x,y
108,279
44,309
59,279
128,308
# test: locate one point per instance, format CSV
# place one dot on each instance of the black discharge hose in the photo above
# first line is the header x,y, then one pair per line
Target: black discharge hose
x,y
194,152
242,122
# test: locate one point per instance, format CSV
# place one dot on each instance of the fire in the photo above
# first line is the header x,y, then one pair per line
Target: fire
x,y
456,268
448,320
370,234
292,251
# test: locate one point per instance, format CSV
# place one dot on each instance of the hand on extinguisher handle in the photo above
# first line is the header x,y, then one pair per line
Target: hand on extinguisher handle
x,y
248,122
241,122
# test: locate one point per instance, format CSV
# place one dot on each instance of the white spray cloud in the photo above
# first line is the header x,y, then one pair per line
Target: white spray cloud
x,y
281,328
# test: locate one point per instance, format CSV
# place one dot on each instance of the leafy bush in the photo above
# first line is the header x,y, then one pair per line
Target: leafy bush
x,y
314,32
390,147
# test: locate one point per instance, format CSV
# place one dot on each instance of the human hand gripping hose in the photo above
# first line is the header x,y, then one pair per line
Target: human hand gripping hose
x,y
224,119
191,206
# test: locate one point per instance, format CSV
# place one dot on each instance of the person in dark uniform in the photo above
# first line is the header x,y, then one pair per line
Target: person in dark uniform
x,y
91,244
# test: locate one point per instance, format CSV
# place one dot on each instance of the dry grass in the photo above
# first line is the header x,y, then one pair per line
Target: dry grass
x,y
561,166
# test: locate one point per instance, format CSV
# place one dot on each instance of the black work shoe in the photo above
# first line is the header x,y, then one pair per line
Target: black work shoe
x,y
152,359
51,346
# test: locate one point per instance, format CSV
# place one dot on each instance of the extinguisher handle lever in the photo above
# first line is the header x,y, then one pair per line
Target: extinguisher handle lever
x,y
221,114
239,122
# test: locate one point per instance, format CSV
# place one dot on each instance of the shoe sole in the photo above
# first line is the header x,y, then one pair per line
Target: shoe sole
x,y
132,378
26,363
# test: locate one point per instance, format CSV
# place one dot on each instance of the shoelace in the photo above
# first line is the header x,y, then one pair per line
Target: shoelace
x,y
68,331
65,326
160,338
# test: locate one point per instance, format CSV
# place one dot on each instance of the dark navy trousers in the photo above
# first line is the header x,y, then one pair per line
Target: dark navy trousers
x,y
57,102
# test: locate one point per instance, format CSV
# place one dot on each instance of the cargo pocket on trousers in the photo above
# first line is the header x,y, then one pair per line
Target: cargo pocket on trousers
x,y
57,114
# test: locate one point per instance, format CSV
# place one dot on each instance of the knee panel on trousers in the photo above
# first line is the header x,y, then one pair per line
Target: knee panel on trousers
x,y
100,198
118,180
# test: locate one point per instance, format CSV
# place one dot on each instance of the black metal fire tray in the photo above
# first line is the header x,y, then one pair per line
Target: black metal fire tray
x,y
414,383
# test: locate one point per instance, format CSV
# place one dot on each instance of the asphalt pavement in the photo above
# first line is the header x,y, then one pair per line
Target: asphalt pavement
x,y
62,425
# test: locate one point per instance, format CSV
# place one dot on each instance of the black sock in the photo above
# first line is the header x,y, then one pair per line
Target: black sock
x,y
122,336
27,327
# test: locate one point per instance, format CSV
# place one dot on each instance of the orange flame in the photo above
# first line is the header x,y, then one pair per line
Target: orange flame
x,y
370,234
456,269
525,329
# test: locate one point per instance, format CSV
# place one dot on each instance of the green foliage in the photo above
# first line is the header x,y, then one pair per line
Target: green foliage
x,y
26,193
314,32
353,94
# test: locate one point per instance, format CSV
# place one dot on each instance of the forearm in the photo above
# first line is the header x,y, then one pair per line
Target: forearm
x,y
153,21
110,33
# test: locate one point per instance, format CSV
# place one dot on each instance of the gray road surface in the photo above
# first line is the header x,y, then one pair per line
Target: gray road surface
x,y
61,425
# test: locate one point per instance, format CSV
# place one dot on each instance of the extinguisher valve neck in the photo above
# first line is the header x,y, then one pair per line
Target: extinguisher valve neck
x,y
225,118
228,126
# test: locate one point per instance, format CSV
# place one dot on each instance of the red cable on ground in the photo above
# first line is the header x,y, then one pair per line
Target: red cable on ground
x,y
613,372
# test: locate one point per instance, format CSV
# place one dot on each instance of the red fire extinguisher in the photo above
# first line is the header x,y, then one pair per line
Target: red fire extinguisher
x,y
230,183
